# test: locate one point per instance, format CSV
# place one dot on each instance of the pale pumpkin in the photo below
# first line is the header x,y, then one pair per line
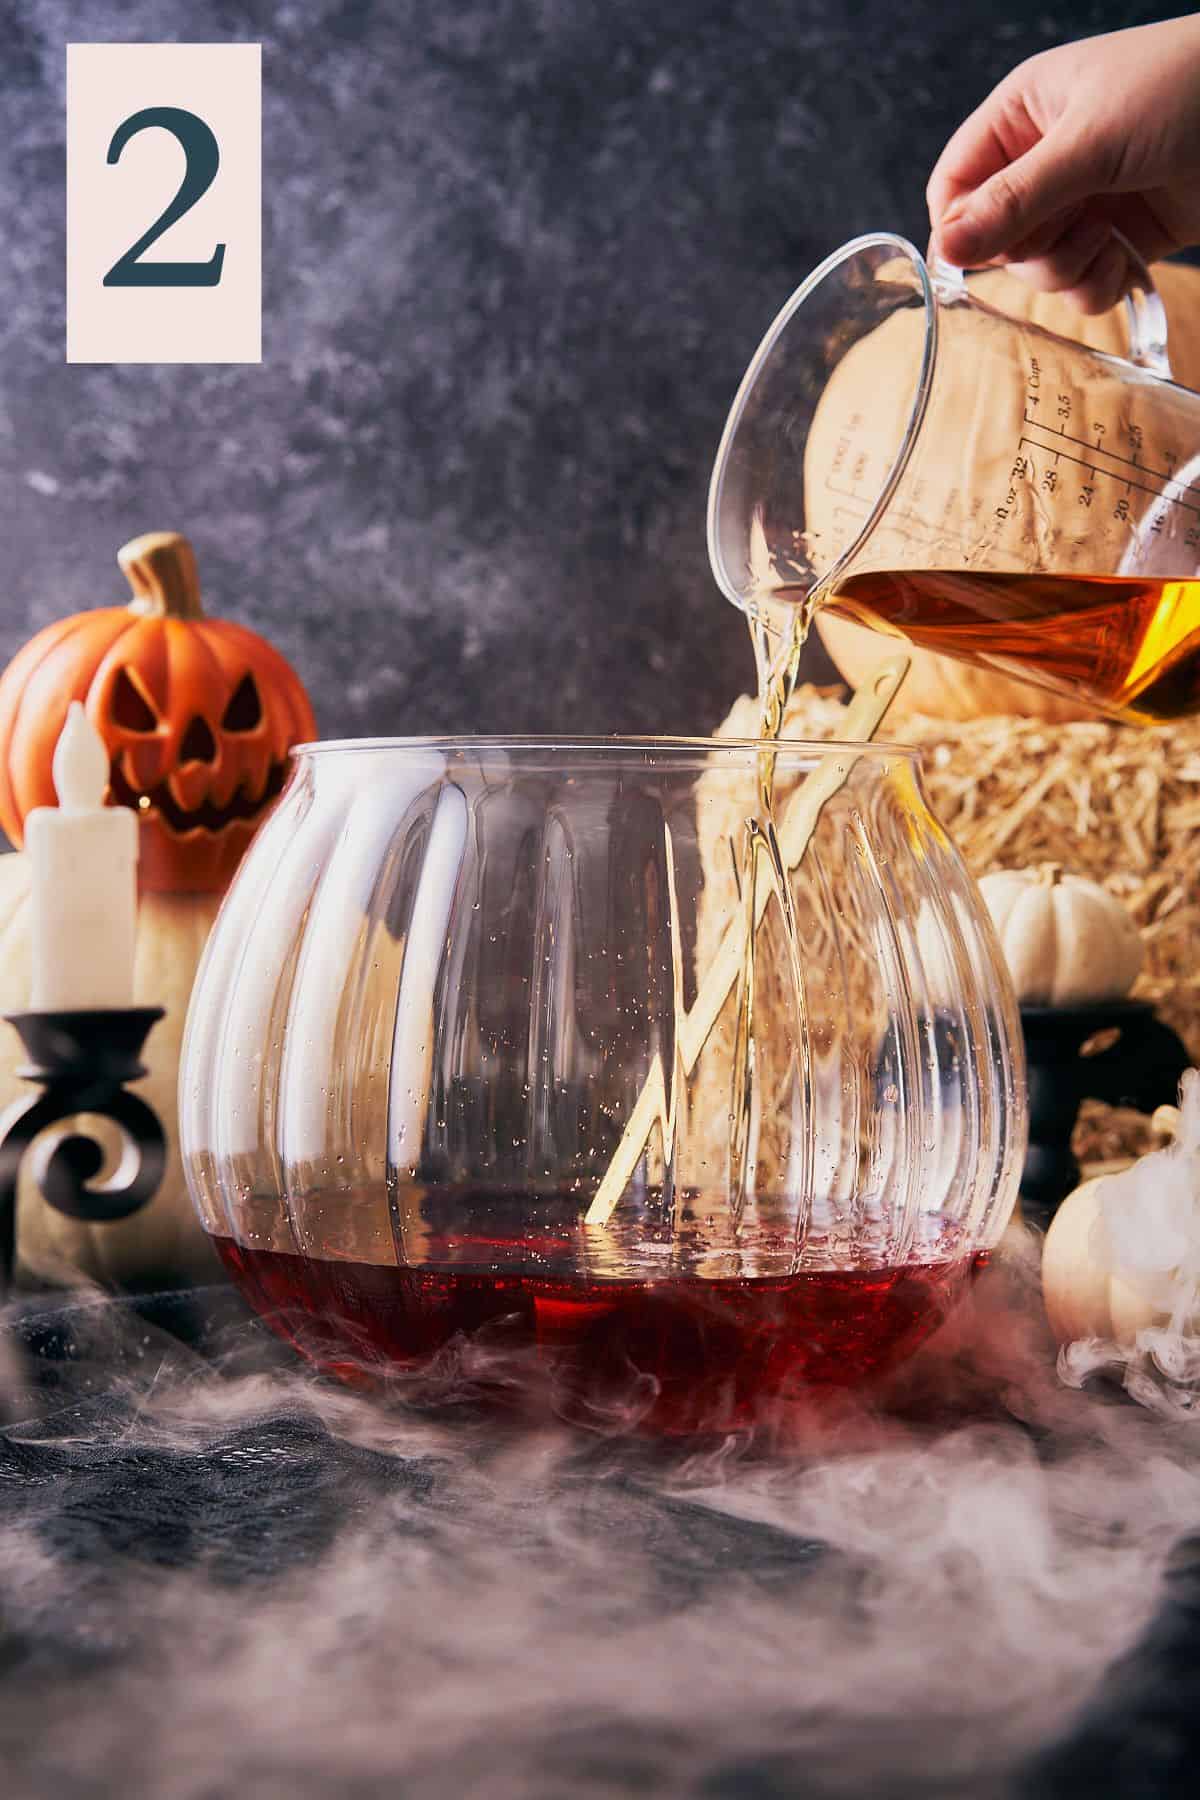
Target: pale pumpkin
x,y
937,685
1122,1254
1085,1295
165,1240
1067,941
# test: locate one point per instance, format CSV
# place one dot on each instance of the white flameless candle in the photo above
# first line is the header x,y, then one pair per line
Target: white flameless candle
x,y
83,869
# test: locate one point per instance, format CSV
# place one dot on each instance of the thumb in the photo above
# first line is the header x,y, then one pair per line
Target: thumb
x,y
1055,173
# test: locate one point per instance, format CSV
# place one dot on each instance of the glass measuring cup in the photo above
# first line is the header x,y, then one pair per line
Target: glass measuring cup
x,y
920,462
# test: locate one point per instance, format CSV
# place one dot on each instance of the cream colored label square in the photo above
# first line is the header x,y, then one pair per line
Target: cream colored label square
x,y
193,295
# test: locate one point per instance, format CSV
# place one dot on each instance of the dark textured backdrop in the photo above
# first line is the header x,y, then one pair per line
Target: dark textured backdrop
x,y
517,254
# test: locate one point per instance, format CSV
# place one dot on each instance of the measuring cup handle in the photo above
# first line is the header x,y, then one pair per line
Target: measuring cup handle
x,y
1147,317
1144,310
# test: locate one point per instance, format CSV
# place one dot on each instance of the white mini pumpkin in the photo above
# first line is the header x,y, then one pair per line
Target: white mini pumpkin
x,y
1066,940
1122,1254
1085,1295
165,1240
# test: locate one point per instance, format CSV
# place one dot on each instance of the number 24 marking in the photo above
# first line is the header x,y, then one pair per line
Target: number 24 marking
x,y
203,159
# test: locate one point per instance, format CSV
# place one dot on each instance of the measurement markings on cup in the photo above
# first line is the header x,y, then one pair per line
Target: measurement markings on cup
x,y
1162,478
1125,481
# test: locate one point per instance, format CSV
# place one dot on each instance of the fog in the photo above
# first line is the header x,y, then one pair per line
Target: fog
x,y
220,1574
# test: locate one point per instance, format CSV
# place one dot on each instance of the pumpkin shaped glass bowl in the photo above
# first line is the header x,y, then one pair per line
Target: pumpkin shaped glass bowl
x,y
448,976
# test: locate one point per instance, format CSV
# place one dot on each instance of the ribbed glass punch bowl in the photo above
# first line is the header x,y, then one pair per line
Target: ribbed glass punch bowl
x,y
471,1061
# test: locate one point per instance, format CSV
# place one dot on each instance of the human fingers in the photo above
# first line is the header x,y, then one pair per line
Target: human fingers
x,y
986,141
1057,174
1109,275
1061,263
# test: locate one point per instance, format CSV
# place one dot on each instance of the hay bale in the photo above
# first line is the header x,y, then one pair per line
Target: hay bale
x,y
1112,802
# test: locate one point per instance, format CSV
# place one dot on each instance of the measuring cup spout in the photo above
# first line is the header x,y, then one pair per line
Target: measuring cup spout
x,y
763,536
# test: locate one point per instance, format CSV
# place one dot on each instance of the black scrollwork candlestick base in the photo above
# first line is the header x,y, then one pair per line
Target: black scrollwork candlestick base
x,y
81,1061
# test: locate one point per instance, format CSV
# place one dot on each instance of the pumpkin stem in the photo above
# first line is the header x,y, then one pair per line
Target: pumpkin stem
x,y
1050,874
160,567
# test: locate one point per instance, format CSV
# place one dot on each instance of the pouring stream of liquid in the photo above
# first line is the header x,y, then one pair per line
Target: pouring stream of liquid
x,y
783,848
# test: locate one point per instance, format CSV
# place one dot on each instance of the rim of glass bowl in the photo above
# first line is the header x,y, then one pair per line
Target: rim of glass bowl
x,y
547,742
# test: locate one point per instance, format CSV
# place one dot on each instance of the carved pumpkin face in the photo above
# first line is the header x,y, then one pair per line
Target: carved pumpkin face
x,y
197,715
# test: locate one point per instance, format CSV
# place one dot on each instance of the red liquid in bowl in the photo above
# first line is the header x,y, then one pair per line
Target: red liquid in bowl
x,y
676,1355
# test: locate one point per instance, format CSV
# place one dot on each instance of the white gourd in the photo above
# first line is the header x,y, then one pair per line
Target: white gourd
x,y
1122,1254
1066,940
165,1240
1084,1293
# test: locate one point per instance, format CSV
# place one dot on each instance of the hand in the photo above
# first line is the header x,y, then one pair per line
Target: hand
x,y
1083,140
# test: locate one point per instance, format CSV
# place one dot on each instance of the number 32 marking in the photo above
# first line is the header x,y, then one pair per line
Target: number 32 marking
x,y
203,159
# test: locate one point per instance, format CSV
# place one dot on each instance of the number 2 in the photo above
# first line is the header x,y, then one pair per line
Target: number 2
x,y
203,159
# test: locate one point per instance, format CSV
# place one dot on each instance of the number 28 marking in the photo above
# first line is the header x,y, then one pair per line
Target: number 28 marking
x,y
203,159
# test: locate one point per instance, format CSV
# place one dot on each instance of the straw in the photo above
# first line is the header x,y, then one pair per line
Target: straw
x,y
864,716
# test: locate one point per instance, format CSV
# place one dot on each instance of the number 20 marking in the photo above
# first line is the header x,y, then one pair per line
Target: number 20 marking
x,y
203,159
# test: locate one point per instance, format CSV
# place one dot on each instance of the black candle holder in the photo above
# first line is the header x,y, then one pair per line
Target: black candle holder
x,y
81,1061
1142,1069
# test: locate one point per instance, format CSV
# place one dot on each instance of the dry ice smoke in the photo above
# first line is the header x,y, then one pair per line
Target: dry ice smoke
x,y
1147,1233
219,1578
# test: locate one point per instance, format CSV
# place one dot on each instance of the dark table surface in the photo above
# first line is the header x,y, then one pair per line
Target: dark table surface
x,y
220,1575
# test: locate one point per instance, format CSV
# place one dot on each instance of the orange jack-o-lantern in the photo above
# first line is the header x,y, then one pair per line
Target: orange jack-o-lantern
x,y
197,714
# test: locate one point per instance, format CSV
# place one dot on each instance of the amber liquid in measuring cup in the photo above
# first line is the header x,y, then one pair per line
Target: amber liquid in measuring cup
x,y
1130,646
